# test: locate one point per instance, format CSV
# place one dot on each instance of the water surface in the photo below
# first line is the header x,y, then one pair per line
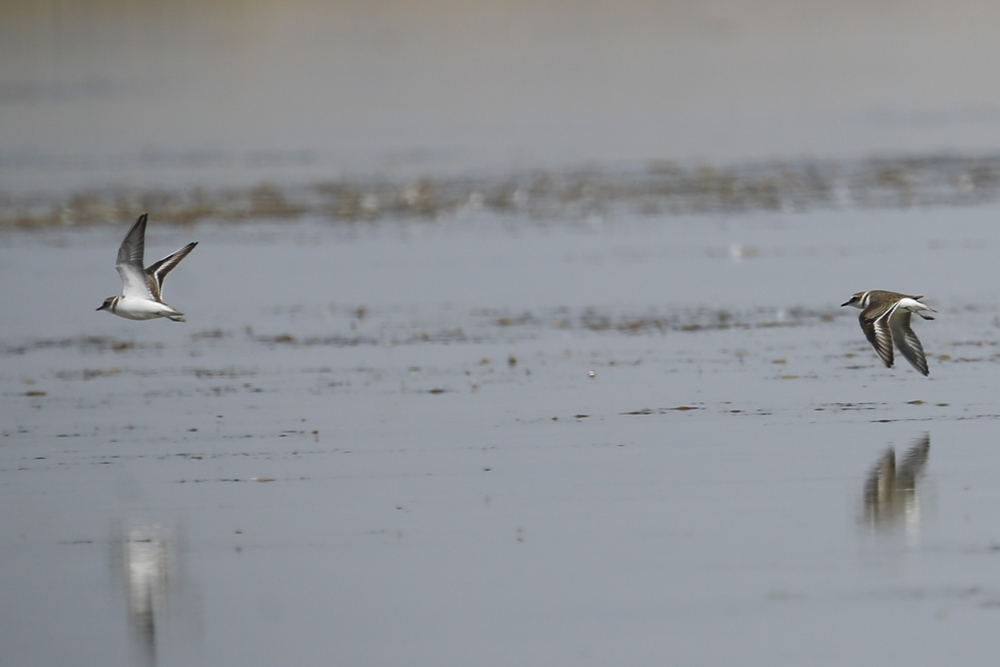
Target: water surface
x,y
493,441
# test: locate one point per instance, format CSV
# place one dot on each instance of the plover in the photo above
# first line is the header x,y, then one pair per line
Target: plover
x,y
142,288
885,319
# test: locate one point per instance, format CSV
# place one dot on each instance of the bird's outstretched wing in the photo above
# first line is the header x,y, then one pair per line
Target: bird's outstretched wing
x,y
156,272
129,262
874,322
907,341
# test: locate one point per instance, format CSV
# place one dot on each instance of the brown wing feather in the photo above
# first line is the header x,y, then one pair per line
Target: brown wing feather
x,y
907,341
153,288
874,322
157,271
880,337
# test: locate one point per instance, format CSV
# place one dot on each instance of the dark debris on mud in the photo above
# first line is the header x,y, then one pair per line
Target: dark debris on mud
x,y
658,189
663,411
492,325
93,344
483,326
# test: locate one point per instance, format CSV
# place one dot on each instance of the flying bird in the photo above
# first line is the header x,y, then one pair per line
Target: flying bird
x,y
142,288
885,319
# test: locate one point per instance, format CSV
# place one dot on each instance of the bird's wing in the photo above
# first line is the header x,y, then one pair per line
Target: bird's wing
x,y
881,481
876,327
156,272
129,262
914,462
907,341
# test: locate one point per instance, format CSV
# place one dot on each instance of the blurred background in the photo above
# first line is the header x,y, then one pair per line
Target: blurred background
x,y
150,93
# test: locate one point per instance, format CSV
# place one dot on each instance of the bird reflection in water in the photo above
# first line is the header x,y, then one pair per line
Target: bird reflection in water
x,y
147,556
147,572
890,496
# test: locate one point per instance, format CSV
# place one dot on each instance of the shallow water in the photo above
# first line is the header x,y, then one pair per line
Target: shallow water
x,y
487,440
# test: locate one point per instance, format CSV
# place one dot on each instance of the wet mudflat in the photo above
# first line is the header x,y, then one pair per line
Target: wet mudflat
x,y
487,440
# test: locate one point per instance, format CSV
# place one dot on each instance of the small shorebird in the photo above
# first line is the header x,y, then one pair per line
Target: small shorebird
x,y
142,287
885,319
